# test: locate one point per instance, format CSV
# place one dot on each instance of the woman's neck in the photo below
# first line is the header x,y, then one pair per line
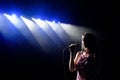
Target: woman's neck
x,y
86,52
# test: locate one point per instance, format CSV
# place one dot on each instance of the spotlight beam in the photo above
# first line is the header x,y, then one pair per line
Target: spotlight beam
x,y
42,41
48,30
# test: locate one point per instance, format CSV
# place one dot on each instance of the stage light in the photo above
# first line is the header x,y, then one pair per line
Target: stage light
x,y
11,32
59,31
58,22
42,24
53,21
48,30
28,22
4,14
14,15
45,31
38,34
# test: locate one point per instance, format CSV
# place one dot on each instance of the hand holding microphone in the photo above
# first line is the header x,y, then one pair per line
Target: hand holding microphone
x,y
73,46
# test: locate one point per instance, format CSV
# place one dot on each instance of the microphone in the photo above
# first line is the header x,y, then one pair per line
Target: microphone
x,y
73,45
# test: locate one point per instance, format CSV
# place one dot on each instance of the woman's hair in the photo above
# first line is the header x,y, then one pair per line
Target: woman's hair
x,y
89,41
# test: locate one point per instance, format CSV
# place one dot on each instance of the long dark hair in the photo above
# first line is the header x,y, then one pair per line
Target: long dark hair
x,y
90,42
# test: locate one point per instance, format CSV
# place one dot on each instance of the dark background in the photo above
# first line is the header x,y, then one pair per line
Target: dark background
x,y
96,15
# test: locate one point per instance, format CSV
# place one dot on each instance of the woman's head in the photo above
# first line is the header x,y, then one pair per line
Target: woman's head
x,y
88,41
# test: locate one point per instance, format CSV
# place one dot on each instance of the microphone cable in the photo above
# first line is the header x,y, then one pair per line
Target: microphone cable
x,y
64,64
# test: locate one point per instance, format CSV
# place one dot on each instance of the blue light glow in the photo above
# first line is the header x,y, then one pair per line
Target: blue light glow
x,y
47,34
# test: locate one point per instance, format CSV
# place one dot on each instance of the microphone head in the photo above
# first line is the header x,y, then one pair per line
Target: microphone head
x,y
74,45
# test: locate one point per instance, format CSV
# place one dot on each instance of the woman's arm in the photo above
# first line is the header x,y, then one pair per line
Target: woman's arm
x,y
73,62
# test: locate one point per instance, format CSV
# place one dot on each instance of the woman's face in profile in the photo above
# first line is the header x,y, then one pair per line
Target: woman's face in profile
x,y
82,41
